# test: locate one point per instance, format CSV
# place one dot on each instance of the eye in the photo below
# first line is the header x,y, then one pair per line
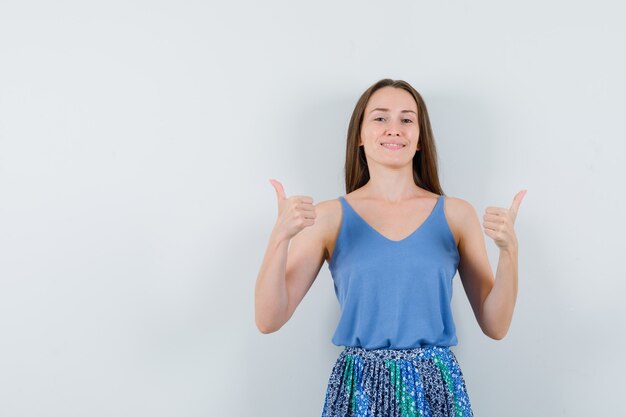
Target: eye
x,y
407,120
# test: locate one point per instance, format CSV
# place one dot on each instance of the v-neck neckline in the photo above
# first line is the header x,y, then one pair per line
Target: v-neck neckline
x,y
385,237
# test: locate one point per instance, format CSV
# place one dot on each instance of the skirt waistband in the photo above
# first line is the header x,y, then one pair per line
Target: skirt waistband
x,y
423,352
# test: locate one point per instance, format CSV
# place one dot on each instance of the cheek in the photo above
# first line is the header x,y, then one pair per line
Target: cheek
x,y
365,136
374,131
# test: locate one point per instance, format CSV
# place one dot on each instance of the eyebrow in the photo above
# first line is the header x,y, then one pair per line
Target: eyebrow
x,y
403,111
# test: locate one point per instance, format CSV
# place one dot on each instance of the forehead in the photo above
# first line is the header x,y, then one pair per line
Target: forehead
x,y
392,98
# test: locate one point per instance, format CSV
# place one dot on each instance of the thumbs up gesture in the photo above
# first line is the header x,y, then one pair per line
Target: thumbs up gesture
x,y
498,223
294,213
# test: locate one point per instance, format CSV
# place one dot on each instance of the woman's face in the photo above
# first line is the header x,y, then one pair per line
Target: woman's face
x,y
390,129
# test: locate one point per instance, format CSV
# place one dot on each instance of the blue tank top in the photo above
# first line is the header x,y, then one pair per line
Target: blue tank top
x,y
394,294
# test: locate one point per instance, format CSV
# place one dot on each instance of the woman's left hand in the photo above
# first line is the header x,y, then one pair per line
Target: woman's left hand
x,y
498,223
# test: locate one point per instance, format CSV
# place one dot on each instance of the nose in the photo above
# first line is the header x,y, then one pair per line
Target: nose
x,y
392,130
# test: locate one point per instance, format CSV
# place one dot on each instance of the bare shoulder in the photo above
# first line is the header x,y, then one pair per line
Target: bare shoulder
x,y
329,221
457,211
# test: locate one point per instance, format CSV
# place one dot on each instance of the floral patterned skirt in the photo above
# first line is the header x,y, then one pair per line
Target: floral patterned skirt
x,y
422,382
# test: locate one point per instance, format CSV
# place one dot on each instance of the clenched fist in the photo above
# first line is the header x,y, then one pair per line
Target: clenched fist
x,y
294,213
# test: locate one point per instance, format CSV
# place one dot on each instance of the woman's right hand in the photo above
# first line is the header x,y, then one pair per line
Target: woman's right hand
x,y
294,213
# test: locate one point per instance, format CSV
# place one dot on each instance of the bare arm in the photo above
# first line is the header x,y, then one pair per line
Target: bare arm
x,y
474,268
271,295
493,301
499,305
289,268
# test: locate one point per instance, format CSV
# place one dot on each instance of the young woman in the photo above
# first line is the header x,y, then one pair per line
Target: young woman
x,y
393,244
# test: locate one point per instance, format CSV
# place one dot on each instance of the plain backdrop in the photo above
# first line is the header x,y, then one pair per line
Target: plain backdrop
x,y
137,140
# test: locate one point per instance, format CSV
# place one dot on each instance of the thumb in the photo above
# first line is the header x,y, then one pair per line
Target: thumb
x,y
280,191
517,200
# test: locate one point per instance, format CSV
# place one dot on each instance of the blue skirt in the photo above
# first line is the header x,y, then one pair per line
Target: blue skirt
x,y
422,382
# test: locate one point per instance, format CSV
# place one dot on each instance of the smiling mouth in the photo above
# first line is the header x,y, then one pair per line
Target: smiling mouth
x,y
392,146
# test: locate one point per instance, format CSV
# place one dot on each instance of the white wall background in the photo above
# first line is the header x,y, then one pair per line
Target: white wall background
x,y
136,144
